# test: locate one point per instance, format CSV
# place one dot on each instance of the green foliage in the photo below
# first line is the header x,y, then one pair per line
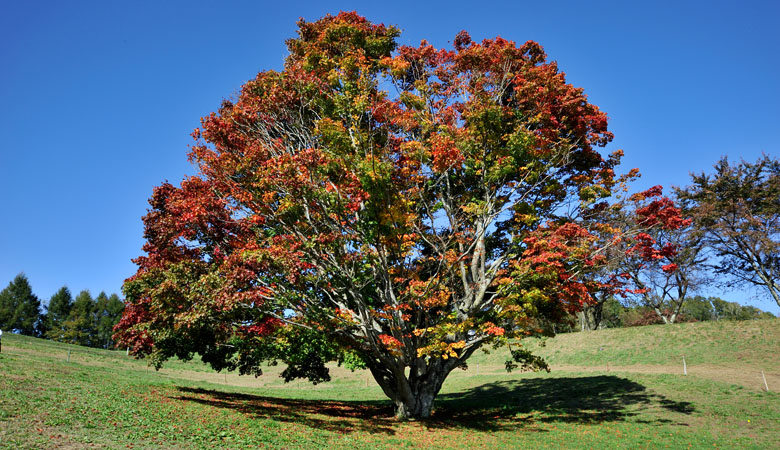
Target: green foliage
x,y
108,311
737,208
79,326
696,309
612,313
85,321
526,361
699,308
713,308
90,322
20,309
723,310
57,313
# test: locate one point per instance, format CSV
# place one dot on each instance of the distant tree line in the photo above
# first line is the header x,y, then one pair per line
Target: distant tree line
x,y
84,320
616,314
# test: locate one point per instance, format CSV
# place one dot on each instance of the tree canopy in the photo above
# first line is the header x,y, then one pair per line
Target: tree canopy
x,y
738,210
395,208
57,313
89,321
20,309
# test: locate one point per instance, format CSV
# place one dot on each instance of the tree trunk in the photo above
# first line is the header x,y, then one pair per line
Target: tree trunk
x,y
660,314
775,293
419,405
413,394
772,287
591,315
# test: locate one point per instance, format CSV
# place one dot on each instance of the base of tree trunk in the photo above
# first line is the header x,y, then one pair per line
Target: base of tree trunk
x,y
420,407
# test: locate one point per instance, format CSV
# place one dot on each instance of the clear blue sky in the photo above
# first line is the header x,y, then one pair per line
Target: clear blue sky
x,y
97,100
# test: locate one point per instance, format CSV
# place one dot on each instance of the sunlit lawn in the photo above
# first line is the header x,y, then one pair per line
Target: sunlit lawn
x,y
103,399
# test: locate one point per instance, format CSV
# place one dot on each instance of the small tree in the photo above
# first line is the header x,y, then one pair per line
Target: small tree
x,y
605,274
397,229
738,210
664,279
57,314
20,309
621,243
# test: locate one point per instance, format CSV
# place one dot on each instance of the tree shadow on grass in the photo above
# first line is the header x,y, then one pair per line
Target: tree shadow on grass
x,y
331,415
593,399
491,407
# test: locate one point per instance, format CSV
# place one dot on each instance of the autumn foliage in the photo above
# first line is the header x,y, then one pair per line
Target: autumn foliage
x,y
395,208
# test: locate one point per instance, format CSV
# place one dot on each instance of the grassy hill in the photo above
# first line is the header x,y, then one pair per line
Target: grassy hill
x,y
619,388
728,351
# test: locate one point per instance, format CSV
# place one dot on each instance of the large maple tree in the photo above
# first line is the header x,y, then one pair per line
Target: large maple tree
x,y
394,208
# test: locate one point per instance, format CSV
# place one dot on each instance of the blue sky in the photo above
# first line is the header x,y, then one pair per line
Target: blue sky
x,y
99,98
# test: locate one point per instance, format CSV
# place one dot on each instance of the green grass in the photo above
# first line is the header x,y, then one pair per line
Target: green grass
x,y
731,343
612,392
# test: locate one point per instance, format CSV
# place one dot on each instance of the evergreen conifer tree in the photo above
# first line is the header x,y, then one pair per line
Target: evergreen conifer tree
x,y
20,309
79,328
57,313
114,309
108,311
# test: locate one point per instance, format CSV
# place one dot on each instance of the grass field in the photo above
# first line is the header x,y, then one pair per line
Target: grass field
x,y
609,389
